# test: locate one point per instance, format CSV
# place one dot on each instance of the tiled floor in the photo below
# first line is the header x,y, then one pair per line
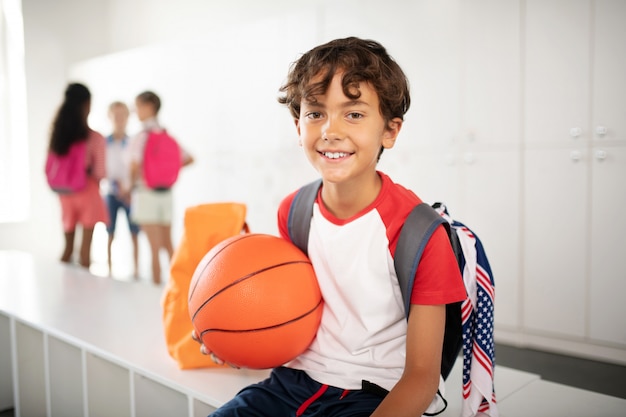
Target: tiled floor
x,y
586,374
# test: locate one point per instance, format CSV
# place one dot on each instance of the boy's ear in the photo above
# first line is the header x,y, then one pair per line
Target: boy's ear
x,y
297,123
391,133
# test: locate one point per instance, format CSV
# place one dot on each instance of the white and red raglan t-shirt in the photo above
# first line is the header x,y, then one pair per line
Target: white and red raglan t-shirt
x,y
362,334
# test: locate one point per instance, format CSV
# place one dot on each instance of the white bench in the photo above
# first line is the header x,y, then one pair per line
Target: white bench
x,y
81,345
74,344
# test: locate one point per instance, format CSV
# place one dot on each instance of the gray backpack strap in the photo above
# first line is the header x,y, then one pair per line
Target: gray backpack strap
x,y
415,234
300,213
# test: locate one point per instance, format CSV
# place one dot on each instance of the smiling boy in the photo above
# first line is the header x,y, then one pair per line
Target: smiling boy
x,y
348,99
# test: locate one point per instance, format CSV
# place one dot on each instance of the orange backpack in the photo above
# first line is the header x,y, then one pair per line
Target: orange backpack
x,y
205,226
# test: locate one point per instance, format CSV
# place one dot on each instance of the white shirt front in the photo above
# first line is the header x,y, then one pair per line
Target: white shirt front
x,y
363,328
117,163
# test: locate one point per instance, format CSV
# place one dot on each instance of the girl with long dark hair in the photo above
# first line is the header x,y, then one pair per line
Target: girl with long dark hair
x,y
84,207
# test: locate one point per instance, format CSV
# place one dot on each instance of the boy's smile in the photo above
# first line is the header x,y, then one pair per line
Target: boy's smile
x,y
336,155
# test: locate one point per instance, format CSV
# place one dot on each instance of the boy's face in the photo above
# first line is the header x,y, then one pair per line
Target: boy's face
x,y
342,137
119,117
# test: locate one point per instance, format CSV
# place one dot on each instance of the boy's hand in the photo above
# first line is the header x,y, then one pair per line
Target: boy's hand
x,y
205,351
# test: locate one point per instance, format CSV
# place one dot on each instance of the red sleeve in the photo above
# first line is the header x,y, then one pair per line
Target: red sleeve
x,y
438,279
283,215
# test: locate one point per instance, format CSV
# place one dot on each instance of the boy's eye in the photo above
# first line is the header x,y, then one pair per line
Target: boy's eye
x,y
313,115
355,115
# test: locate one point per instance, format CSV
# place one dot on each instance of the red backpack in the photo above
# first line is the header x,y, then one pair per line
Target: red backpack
x,y
162,160
68,173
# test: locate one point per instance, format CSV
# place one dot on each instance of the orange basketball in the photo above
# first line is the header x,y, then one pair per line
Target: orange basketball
x,y
255,301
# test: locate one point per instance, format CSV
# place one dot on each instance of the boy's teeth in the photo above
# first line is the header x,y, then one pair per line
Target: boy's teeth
x,y
334,155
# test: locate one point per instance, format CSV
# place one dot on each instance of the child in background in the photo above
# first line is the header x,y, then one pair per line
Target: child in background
x,y
117,196
151,209
84,207
348,99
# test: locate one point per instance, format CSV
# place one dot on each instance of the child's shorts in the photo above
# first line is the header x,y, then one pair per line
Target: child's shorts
x,y
289,392
85,207
151,207
114,204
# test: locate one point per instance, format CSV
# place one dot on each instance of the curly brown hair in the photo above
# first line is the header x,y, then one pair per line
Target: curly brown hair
x,y
361,60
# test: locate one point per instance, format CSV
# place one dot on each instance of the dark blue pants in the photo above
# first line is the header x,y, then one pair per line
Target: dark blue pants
x,y
291,393
113,205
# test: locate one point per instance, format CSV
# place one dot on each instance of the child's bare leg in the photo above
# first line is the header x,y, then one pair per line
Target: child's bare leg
x,y
135,255
109,246
166,239
85,247
66,257
153,234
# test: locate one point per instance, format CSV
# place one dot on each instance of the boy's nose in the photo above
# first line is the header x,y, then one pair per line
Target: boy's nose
x,y
331,130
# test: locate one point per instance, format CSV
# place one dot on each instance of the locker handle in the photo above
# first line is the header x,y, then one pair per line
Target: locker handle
x,y
575,132
601,130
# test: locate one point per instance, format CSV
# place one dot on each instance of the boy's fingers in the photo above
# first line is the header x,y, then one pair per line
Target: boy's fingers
x,y
215,358
205,351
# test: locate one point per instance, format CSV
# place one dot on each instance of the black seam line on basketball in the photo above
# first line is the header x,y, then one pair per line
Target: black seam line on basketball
x,y
273,326
208,263
245,277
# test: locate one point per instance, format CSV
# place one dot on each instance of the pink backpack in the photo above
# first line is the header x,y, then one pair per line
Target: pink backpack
x,y
68,173
161,161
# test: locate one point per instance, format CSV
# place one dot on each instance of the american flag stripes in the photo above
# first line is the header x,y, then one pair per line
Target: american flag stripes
x,y
479,398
